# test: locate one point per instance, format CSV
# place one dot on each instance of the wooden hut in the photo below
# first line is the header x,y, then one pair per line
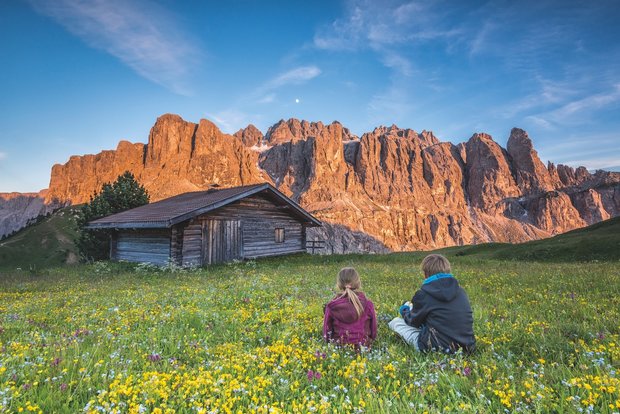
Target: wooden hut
x,y
207,227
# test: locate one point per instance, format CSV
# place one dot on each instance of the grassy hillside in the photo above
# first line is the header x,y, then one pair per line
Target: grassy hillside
x,y
600,242
247,338
47,243
50,243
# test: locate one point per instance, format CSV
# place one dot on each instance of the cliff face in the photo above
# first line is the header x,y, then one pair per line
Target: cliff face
x,y
531,175
180,156
391,188
18,209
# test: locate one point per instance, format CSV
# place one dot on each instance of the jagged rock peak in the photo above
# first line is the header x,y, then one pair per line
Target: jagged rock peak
x,y
347,135
164,121
170,118
530,173
428,137
425,138
295,130
393,130
170,136
489,175
174,138
250,136
124,145
570,176
519,139
291,130
401,188
481,136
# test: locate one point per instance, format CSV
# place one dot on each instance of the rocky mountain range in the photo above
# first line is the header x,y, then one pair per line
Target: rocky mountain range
x,y
17,210
390,189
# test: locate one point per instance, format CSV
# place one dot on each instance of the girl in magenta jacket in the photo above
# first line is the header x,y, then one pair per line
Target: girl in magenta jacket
x,y
350,317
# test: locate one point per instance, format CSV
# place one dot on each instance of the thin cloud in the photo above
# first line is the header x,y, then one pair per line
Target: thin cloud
x,y
480,41
389,106
398,62
267,99
577,111
551,99
592,150
581,147
391,30
539,121
368,25
144,37
3,155
546,93
378,25
588,103
233,118
595,163
570,143
264,93
343,34
293,77
230,120
532,39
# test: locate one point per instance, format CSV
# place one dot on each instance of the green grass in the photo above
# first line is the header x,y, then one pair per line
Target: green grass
x,y
51,243
45,244
600,242
242,338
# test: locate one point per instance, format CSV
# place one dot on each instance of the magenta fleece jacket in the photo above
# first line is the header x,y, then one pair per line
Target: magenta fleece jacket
x,y
341,324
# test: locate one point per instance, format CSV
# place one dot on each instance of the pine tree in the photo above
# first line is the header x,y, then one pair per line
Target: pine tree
x,y
125,193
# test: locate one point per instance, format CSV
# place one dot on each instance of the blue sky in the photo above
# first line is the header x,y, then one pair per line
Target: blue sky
x,y
78,76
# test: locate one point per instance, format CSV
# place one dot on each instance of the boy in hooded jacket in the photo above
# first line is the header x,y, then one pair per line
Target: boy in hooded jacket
x,y
440,317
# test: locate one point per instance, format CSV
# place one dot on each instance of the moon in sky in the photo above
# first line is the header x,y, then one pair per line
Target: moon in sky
x,y
296,100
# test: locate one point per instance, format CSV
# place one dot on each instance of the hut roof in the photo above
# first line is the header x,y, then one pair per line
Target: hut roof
x,y
170,211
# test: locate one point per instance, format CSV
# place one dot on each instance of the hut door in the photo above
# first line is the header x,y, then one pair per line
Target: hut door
x,y
222,241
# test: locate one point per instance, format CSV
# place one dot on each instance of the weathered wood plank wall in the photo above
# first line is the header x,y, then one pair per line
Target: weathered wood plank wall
x,y
243,229
152,246
260,217
176,243
192,243
222,240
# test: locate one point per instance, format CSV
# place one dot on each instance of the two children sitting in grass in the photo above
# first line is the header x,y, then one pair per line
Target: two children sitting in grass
x,y
438,318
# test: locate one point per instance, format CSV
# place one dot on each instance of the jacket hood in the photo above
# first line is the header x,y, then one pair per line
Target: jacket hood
x,y
343,309
443,290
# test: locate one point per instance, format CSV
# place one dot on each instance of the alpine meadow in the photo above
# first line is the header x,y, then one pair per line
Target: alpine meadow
x,y
246,337
330,207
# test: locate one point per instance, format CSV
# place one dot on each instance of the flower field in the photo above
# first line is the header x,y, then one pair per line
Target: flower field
x,y
246,338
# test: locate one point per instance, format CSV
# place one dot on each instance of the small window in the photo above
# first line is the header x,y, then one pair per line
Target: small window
x,y
279,235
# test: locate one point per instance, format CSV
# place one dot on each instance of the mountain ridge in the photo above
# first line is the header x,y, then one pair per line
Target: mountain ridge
x,y
18,210
388,189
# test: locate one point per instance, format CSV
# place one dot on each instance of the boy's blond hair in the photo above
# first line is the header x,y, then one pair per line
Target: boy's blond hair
x,y
435,263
